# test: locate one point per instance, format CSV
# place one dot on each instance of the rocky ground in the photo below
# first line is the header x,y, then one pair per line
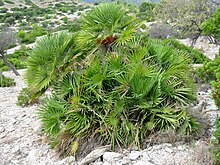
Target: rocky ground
x,y
203,43
22,142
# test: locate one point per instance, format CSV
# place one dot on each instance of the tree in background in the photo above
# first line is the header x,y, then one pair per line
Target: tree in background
x,y
7,38
146,11
211,26
185,15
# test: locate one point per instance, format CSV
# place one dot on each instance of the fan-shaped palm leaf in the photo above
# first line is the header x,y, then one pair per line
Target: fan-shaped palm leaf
x,y
47,58
107,21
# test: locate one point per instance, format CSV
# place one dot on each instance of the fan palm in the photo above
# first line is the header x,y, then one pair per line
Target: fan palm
x,y
131,93
107,24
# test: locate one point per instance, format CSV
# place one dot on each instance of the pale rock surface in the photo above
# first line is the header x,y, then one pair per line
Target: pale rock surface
x,y
210,50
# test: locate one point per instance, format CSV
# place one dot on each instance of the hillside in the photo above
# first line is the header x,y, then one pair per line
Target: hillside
x,y
41,3
45,3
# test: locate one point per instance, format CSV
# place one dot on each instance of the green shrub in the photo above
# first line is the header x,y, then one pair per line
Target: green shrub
x,y
1,3
18,15
32,35
16,9
25,98
58,5
65,19
29,2
216,92
18,59
5,81
211,26
10,20
12,45
71,26
146,11
10,2
47,16
216,141
3,10
22,24
21,34
210,70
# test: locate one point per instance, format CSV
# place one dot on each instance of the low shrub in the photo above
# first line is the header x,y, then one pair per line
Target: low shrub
x,y
216,141
71,26
16,9
10,20
216,92
1,3
9,2
18,59
3,10
5,81
25,98
65,19
211,70
30,37
29,2
58,5
146,11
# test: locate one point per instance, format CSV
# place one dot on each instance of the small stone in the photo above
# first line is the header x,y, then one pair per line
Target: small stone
x,y
2,135
135,155
2,129
13,121
10,129
141,162
181,148
98,163
126,160
71,159
15,150
94,155
15,161
36,128
168,150
106,163
112,157
157,147
32,155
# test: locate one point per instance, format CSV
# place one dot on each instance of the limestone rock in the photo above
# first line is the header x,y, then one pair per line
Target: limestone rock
x,y
135,155
112,157
94,155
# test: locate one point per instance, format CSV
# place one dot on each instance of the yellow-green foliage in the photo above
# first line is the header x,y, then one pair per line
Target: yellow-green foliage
x,y
212,25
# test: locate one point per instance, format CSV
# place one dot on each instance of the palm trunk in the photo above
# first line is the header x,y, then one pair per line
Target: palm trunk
x,y
4,58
